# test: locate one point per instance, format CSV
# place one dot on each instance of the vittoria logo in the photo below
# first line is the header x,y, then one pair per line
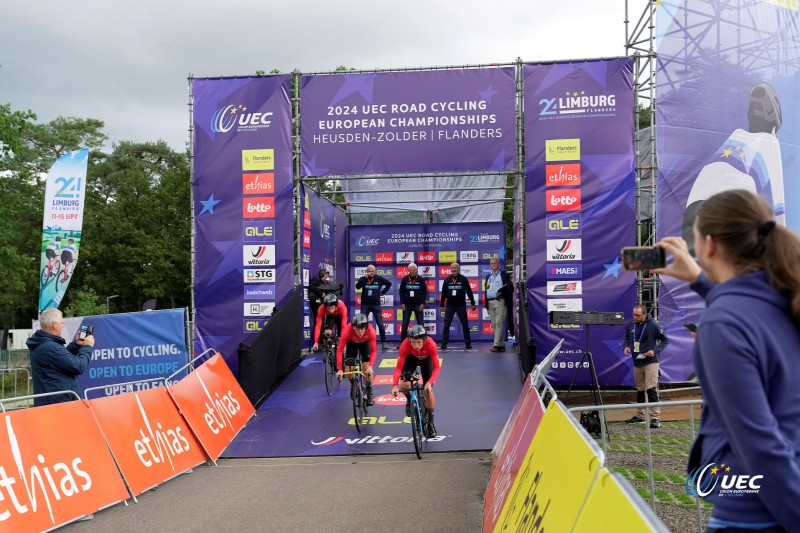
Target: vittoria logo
x,y
564,250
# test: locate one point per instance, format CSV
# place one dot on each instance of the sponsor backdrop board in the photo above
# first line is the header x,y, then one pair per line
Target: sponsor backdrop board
x,y
433,247
242,187
397,122
716,128
579,182
300,419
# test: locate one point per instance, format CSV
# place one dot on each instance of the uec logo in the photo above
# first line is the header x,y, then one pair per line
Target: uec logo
x,y
225,118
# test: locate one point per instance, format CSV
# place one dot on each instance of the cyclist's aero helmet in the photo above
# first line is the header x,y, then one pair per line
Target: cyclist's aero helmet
x,y
330,299
359,321
417,332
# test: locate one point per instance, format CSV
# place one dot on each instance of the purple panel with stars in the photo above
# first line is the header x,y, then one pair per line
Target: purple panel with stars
x,y
580,210
407,122
242,187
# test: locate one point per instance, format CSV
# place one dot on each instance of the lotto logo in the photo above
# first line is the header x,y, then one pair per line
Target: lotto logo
x,y
258,207
564,200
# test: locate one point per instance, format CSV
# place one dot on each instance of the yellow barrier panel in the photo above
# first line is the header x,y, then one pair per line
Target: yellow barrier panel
x,y
614,505
554,478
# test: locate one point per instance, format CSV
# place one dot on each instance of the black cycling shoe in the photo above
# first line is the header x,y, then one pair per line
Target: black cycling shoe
x,y
408,409
370,399
430,430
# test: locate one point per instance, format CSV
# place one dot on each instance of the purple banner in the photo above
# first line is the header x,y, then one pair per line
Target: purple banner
x,y
433,247
397,122
579,182
722,123
242,186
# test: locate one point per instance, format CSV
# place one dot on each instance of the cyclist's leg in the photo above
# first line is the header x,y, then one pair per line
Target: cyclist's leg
x,y
369,375
426,367
410,365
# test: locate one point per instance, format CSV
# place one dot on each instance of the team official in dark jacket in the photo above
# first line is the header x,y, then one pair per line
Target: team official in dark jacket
x,y
455,293
372,288
54,367
413,293
498,302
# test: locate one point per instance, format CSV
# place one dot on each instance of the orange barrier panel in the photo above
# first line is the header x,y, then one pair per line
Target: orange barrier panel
x,y
149,438
523,428
213,404
54,467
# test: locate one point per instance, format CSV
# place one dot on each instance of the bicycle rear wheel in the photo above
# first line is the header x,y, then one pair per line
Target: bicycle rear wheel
x,y
358,404
329,374
416,428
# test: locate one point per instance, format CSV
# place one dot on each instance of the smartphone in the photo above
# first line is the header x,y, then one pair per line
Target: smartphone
x,y
643,258
691,327
85,331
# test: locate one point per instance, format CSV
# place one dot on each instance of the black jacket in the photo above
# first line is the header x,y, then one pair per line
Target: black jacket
x,y
462,292
418,287
371,291
650,336
505,292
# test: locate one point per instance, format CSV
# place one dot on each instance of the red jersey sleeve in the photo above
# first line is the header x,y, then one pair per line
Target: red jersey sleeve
x,y
321,312
373,349
345,336
432,351
405,348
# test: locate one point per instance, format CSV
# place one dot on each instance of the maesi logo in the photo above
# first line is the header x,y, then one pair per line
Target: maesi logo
x,y
368,241
405,257
426,257
703,480
258,183
370,439
383,258
258,255
563,175
565,271
564,250
259,275
564,225
225,118
258,231
564,200
258,207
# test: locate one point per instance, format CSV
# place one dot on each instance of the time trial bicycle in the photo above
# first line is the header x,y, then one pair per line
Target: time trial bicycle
x,y
330,345
418,411
357,390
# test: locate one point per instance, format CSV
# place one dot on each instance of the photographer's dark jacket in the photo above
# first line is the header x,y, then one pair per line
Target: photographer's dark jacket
x,y
650,336
56,368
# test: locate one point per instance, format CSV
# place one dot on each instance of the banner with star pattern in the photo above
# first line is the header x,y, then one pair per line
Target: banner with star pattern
x,y
243,208
723,121
580,210
449,120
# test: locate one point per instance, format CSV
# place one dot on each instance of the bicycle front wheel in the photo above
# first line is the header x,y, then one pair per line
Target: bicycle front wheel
x,y
358,404
329,373
416,428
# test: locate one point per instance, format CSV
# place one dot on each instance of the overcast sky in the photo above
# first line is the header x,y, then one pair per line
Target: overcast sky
x,y
127,62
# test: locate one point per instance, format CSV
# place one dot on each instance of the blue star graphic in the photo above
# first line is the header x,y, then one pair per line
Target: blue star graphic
x,y
355,83
208,205
612,269
488,94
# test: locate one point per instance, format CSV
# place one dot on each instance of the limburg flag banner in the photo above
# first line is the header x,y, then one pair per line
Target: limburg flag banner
x,y
61,229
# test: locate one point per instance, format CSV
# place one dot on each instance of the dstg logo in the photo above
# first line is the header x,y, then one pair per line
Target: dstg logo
x,y
224,119
259,275
565,271
469,256
564,250
566,225
564,200
563,175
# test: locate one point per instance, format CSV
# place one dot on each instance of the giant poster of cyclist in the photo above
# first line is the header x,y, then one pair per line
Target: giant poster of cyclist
x,y
61,229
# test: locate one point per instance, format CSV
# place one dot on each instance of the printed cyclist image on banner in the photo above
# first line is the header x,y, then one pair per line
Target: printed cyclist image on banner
x,y
734,125
579,183
65,195
433,247
147,345
242,187
395,122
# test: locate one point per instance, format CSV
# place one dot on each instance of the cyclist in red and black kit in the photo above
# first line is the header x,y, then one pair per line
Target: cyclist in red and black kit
x,y
358,337
332,313
418,350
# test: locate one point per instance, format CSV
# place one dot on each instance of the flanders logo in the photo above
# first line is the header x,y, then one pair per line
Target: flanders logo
x,y
703,480
562,149
258,159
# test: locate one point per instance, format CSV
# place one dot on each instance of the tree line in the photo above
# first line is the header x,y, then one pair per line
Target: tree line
x,y
136,220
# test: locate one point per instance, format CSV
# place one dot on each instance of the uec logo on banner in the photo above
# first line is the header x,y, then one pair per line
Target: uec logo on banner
x,y
225,118
702,481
